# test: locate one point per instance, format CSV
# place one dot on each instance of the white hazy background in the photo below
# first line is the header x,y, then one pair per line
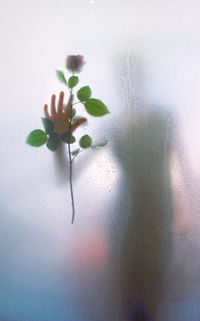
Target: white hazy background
x,y
50,269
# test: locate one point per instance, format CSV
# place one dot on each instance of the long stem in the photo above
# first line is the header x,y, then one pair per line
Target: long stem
x,y
70,182
71,163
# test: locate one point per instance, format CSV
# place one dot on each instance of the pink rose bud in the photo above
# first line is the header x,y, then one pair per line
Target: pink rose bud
x,y
75,63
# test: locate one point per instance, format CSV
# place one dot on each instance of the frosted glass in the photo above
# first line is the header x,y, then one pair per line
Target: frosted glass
x,y
134,246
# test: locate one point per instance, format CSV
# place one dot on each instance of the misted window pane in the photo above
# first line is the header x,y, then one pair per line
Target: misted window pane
x,y
133,252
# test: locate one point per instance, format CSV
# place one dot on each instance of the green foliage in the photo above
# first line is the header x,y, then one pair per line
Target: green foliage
x,y
85,141
73,112
96,107
68,138
61,76
73,81
100,144
74,120
37,138
53,142
84,93
48,125
75,152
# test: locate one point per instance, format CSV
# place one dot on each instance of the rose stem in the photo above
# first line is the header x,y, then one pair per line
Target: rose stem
x,y
70,164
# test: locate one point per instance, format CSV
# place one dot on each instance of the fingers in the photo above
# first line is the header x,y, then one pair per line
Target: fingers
x,y
68,106
60,102
53,105
78,123
46,111
59,107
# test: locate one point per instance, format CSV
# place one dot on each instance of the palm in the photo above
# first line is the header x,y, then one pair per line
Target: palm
x,y
61,117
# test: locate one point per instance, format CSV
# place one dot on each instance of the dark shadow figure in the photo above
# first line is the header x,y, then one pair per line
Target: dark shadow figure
x,y
145,208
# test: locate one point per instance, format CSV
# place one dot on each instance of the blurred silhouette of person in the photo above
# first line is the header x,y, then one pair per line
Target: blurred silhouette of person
x,y
143,148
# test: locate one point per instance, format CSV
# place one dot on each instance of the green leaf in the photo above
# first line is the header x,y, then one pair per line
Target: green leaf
x,y
73,81
53,142
96,107
48,125
37,138
100,144
73,112
61,76
75,152
85,141
84,93
67,138
76,118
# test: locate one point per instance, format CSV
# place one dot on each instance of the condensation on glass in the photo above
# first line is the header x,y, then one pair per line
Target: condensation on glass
x,y
133,251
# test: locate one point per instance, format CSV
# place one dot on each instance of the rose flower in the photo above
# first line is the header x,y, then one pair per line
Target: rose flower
x,y
75,63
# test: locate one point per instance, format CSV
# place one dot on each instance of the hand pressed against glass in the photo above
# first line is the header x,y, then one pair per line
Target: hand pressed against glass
x,y
61,117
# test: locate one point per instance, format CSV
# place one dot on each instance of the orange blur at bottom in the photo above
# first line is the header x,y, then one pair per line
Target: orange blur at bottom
x,y
91,252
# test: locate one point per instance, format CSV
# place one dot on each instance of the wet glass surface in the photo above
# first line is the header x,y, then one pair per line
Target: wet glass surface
x,y
134,249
